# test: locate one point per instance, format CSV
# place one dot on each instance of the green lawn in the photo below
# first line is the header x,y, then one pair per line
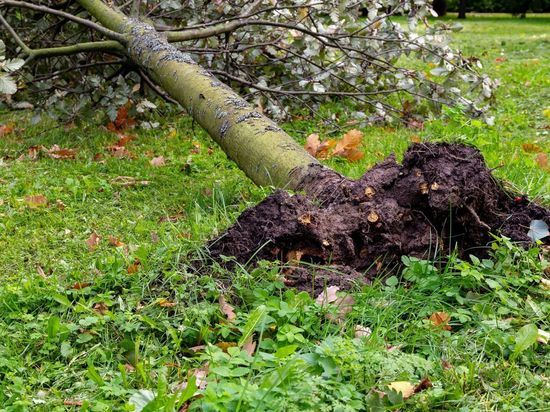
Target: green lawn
x,y
88,326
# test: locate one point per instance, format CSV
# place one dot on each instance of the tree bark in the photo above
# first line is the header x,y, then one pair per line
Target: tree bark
x,y
267,154
462,9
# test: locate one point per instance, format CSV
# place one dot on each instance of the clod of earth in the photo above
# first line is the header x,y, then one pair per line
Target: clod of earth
x,y
441,198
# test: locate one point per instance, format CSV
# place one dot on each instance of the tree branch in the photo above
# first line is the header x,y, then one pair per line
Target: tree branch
x,y
84,22
26,49
107,45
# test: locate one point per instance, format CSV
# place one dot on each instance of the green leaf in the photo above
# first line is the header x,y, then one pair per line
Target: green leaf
x,y
93,374
254,319
285,351
392,281
58,297
189,390
141,398
66,349
525,337
53,326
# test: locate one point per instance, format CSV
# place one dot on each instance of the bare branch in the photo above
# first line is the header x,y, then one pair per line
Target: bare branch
x,y
26,49
107,45
156,89
84,22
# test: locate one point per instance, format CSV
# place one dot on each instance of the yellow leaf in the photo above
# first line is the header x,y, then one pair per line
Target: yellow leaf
x,y
546,113
405,388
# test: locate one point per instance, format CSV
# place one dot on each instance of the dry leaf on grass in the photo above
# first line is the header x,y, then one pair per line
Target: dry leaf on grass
x,y
134,267
36,201
249,346
347,147
101,308
123,120
542,160
227,309
93,241
113,241
441,320
327,296
200,374
165,303
531,148
405,388
158,161
344,305
362,331
56,152
128,181
6,128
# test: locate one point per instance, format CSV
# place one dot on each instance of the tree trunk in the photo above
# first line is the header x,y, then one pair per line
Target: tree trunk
x,y
440,199
267,154
462,9
440,7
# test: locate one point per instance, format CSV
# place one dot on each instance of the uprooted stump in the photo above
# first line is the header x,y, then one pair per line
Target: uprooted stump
x,y
441,198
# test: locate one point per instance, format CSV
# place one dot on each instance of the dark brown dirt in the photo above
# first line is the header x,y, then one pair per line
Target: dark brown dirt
x,y
441,198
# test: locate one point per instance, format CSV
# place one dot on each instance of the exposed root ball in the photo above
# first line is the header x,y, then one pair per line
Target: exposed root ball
x,y
442,197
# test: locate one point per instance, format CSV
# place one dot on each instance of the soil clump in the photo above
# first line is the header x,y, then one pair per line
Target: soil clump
x,y
441,198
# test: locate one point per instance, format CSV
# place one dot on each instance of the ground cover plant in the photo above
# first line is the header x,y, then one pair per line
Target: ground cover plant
x,y
101,306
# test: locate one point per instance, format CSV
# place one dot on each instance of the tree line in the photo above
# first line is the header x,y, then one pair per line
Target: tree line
x,y
516,7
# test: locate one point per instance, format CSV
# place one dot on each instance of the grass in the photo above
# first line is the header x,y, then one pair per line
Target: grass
x,y
96,328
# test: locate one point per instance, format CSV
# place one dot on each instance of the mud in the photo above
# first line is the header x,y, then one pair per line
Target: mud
x,y
441,198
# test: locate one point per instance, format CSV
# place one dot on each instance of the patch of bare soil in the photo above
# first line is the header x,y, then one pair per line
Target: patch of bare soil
x,y
440,198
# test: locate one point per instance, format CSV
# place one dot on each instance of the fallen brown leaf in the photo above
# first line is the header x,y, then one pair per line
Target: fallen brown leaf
x,y
158,161
344,305
80,285
327,296
227,309
60,205
55,152
134,267
119,152
36,201
6,128
93,241
101,308
312,144
249,346
441,320
165,303
113,241
347,147
542,160
531,148
123,120
68,402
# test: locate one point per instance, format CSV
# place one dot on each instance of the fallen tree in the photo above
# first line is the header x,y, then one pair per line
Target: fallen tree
x,y
441,198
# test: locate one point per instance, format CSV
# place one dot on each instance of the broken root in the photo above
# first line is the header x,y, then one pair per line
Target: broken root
x,y
440,199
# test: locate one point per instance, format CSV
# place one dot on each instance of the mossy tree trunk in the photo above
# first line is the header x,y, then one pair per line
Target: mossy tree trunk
x,y
267,154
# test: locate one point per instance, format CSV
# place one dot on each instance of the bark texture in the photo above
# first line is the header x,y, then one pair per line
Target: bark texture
x,y
267,154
